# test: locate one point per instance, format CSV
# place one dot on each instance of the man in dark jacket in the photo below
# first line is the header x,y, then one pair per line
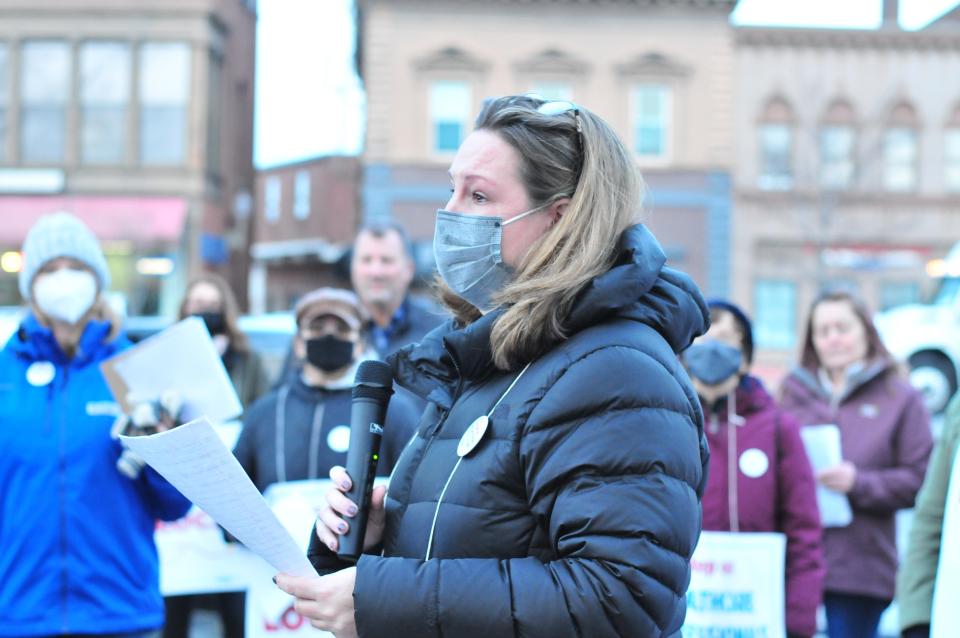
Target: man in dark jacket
x,y
301,429
381,270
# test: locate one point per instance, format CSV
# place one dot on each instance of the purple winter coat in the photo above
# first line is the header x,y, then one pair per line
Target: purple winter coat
x,y
782,498
885,433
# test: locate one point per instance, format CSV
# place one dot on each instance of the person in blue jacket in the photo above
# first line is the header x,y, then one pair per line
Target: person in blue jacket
x,y
553,487
78,556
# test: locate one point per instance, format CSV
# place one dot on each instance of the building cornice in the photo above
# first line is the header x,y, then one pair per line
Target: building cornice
x,y
654,64
552,61
777,200
885,39
450,59
713,5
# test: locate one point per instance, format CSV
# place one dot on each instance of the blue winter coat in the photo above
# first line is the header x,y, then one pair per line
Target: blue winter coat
x,y
577,513
76,536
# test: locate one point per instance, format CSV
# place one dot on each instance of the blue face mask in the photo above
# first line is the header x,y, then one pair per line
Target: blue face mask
x,y
712,362
467,249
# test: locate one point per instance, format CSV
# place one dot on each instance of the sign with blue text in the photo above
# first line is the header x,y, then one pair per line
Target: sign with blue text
x,y
737,586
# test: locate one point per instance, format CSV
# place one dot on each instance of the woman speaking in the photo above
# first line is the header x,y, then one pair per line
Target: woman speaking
x,y
553,488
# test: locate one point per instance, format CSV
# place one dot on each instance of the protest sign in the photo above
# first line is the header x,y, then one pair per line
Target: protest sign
x,y
737,586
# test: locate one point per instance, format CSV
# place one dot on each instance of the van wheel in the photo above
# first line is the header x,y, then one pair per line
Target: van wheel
x,y
933,375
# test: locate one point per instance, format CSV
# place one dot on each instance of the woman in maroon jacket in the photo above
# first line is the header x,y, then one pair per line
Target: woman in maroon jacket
x,y
847,378
769,486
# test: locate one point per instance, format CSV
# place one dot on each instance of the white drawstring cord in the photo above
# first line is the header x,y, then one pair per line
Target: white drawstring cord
x,y
734,420
436,511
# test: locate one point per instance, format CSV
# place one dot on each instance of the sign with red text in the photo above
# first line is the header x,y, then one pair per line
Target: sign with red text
x,y
270,611
736,586
945,619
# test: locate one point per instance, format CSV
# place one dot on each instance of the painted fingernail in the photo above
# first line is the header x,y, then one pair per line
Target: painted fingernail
x,y
342,527
352,510
275,581
345,485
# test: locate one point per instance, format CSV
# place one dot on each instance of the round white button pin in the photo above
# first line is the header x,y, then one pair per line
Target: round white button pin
x,y
338,438
472,436
40,373
754,463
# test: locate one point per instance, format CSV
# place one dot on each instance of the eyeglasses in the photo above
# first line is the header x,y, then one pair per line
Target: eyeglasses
x,y
559,107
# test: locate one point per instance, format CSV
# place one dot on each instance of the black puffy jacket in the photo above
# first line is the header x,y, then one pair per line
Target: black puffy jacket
x,y
577,513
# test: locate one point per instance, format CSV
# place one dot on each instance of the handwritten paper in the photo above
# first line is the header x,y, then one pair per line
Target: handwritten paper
x,y
822,443
195,461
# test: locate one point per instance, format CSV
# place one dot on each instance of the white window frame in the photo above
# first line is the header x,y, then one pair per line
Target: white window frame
x,y
891,163
770,180
444,113
91,99
272,198
301,194
837,170
951,159
666,123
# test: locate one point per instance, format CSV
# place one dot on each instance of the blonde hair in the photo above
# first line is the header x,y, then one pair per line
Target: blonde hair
x,y
572,154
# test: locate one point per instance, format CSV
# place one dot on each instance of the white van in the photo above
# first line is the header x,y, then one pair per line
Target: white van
x,y
927,336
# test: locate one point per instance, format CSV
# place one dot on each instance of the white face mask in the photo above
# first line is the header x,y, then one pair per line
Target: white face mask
x,y
66,294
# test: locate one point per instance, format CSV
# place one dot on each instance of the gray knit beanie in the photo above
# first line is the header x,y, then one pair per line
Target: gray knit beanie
x,y
61,235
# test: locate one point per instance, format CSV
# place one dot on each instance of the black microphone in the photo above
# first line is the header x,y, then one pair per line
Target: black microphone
x,y
372,388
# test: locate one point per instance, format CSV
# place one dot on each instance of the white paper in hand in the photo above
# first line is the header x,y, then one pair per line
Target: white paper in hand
x,y
183,359
822,443
196,462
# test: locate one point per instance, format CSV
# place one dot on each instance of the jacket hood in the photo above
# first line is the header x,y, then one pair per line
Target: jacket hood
x,y
638,287
35,342
810,381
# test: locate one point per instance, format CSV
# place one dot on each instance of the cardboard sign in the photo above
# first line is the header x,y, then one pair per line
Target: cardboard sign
x,y
737,586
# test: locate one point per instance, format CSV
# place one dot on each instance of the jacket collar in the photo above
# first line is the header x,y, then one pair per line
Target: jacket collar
x,y
810,380
35,342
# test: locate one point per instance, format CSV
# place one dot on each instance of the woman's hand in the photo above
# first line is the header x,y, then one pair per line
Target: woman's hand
x,y
330,524
326,601
839,478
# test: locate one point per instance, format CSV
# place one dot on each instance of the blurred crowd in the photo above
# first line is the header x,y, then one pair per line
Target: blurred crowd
x,y
96,558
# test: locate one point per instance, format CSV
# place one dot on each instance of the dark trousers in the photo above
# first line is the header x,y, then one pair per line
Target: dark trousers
x,y
853,616
229,606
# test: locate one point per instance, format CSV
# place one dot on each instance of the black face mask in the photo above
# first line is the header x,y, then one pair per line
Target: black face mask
x,y
214,322
329,353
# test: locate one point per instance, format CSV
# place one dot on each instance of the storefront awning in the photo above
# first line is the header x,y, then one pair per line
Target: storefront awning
x,y
143,220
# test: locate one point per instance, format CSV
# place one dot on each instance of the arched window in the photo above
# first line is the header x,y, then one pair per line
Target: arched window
x,y
775,142
900,149
450,75
837,146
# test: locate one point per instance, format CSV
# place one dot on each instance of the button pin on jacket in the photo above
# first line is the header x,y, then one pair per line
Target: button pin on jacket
x,y
754,463
869,411
40,373
472,436
338,439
